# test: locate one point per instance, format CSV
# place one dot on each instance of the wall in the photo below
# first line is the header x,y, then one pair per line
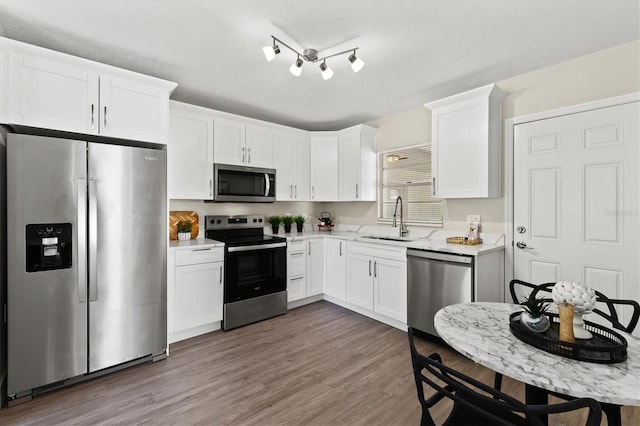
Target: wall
x,y
604,74
312,210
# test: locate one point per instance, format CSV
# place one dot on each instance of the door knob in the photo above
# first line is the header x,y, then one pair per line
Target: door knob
x,y
521,229
522,245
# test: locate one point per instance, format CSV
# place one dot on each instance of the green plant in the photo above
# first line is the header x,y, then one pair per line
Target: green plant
x,y
184,226
535,307
300,219
275,220
287,220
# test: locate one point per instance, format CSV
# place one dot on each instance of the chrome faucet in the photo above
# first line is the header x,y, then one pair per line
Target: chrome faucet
x,y
403,229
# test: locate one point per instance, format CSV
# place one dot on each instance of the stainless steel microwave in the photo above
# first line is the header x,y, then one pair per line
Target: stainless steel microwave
x,y
243,184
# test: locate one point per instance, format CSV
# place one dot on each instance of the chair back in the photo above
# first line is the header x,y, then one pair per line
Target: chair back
x,y
612,305
476,403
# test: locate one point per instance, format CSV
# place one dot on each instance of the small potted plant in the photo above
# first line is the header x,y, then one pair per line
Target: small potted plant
x,y
300,222
184,230
274,221
288,221
534,317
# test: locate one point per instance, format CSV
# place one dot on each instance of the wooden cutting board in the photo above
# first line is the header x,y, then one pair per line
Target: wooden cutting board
x,y
176,216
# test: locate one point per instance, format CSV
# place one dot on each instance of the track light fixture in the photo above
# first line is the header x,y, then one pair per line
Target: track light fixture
x,y
311,55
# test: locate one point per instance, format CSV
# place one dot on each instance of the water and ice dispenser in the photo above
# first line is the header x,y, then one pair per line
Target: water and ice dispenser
x,y
48,246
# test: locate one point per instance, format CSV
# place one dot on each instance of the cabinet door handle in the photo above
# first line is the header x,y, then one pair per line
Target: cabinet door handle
x,y
220,274
433,186
93,116
375,269
340,248
295,187
356,191
210,187
105,118
203,249
249,155
309,243
313,192
291,191
369,267
243,154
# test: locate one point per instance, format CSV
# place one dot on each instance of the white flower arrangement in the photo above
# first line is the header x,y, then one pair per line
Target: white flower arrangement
x,y
580,296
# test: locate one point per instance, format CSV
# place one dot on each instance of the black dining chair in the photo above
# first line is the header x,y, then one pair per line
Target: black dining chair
x,y
611,314
475,403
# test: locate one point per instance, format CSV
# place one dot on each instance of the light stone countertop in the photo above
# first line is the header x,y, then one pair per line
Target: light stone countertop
x,y
196,243
481,332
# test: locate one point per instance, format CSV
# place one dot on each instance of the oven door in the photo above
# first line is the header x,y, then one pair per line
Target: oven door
x,y
255,270
243,184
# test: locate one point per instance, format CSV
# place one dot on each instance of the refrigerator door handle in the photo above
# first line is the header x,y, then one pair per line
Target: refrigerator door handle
x,y
81,233
93,240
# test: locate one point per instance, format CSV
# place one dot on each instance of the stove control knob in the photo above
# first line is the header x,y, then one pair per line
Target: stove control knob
x,y
255,220
218,221
260,220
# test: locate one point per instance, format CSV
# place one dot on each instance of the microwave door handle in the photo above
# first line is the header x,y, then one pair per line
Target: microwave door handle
x,y
267,184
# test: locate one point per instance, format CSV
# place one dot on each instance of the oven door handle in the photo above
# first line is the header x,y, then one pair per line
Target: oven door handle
x,y
256,247
267,184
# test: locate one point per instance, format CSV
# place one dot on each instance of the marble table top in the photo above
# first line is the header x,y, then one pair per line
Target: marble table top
x,y
480,331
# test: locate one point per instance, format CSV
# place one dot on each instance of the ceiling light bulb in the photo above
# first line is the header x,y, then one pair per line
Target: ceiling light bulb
x,y
327,72
356,63
270,52
296,68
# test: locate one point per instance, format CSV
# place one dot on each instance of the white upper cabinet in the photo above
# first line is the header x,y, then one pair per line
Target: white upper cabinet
x,y
465,132
291,160
357,164
242,144
190,153
229,141
52,90
324,166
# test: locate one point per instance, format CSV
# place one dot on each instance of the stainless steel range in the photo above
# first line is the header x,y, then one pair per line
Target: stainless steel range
x,y
255,277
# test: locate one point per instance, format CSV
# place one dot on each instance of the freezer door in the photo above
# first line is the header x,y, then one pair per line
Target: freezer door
x,y
127,254
47,309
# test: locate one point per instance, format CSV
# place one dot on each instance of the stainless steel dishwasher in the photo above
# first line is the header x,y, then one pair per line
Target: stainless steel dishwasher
x,y
436,280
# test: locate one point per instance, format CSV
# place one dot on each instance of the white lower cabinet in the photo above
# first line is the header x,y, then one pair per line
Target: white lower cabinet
x,y
195,294
377,279
296,270
315,266
335,280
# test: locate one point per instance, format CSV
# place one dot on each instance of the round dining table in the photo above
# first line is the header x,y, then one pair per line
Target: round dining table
x,y
480,331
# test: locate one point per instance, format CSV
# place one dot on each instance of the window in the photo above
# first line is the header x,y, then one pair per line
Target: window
x,y
406,172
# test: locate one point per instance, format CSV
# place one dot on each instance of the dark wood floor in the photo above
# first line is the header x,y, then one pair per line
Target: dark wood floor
x,y
319,364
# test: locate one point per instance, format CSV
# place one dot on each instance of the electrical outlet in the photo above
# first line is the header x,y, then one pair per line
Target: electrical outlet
x,y
473,218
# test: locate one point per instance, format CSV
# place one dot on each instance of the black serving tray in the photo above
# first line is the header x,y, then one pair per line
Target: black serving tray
x,y
606,346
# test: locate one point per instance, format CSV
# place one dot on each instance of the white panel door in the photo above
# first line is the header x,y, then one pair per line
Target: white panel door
x,y
315,266
360,280
284,165
259,146
324,168
130,110
228,141
576,191
190,155
349,162
336,273
301,172
198,298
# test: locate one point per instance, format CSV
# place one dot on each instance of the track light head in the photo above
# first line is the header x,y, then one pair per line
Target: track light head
x,y
356,63
296,67
270,52
326,71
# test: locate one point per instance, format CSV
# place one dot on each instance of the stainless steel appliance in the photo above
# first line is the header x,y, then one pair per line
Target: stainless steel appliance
x,y
243,184
86,264
436,280
255,269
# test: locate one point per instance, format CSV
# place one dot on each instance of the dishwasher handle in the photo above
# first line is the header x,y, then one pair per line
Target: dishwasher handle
x,y
442,257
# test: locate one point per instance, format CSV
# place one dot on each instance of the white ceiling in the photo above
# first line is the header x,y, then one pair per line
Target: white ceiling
x,y
415,51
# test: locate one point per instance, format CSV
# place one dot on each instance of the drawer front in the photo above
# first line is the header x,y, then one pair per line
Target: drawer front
x,y
297,264
298,245
385,251
296,288
201,255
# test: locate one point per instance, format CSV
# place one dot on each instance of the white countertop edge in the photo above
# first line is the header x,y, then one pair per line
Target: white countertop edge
x,y
194,243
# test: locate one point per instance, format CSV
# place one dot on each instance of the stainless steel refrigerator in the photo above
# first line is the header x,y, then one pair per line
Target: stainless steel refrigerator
x,y
86,258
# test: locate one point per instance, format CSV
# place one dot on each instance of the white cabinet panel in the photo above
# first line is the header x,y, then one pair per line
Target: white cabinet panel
x,y
291,160
336,268
259,146
296,288
390,288
190,154
360,280
324,168
357,164
297,264
198,295
315,266
466,136
228,141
